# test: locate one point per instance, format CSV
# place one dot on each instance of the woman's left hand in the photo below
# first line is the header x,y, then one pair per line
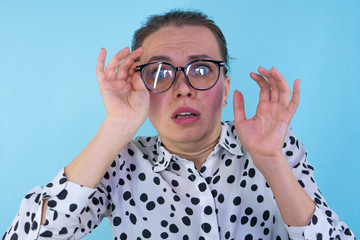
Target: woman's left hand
x,y
263,135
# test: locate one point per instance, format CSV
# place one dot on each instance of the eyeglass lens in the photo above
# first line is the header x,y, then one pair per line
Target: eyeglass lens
x,y
201,75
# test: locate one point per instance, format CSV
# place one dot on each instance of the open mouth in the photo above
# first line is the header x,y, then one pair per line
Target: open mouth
x,y
184,115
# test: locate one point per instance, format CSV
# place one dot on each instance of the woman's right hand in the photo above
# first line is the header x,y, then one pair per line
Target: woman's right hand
x,y
124,95
126,101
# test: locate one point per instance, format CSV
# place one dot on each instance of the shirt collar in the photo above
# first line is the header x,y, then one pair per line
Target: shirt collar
x,y
228,140
163,158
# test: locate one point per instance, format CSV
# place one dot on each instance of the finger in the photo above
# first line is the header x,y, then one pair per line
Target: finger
x,y
295,99
132,68
274,89
265,89
283,87
100,65
274,94
125,66
264,72
239,107
110,70
137,82
132,73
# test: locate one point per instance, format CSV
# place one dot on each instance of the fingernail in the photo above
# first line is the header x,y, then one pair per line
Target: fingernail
x,y
263,69
125,49
140,49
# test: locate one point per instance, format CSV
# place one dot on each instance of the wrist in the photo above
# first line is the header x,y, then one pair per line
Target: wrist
x,y
91,164
270,165
120,125
295,205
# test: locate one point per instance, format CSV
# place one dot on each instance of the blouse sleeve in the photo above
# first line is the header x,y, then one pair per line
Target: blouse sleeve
x,y
324,224
72,211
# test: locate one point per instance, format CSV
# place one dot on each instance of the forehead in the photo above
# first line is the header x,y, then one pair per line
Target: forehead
x,y
180,43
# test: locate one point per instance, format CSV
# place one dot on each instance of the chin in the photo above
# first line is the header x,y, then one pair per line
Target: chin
x,y
188,135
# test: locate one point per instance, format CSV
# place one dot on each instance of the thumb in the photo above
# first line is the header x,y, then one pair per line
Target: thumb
x,y
239,109
137,82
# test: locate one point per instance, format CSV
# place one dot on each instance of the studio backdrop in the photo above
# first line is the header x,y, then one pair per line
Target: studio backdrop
x,y
50,105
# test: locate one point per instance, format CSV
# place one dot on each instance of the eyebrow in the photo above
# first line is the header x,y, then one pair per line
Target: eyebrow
x,y
159,58
162,58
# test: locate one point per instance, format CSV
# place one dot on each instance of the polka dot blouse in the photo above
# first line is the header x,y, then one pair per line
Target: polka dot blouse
x,y
149,193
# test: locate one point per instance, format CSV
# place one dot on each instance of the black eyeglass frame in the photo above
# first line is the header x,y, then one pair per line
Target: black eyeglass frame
x,y
219,64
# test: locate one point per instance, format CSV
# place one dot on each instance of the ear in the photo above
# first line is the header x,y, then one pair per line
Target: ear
x,y
226,90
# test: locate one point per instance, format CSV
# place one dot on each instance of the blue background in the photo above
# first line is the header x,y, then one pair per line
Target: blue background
x,y
50,106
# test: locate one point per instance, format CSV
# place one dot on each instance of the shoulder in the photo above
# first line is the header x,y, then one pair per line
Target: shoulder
x,y
140,148
144,144
140,153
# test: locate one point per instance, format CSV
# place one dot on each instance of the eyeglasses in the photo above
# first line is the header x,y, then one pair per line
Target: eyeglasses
x,y
201,75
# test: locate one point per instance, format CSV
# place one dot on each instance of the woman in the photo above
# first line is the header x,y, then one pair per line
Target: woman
x,y
200,178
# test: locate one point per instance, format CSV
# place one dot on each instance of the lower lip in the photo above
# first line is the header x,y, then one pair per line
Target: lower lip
x,y
186,120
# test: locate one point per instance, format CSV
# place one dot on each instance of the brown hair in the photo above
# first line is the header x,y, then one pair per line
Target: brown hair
x,y
178,18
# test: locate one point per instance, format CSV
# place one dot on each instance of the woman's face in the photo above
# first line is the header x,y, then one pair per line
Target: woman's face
x,y
183,115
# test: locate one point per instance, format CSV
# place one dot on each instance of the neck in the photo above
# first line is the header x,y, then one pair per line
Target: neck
x,y
196,153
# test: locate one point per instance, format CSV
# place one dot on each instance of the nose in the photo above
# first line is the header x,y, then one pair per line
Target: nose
x,y
181,85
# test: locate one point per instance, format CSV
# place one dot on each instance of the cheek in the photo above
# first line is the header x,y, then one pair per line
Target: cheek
x,y
156,109
216,98
213,103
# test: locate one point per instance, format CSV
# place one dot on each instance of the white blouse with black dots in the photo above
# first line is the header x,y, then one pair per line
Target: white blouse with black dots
x,y
148,193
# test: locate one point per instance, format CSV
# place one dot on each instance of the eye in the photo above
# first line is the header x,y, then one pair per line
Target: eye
x,y
162,73
200,70
159,71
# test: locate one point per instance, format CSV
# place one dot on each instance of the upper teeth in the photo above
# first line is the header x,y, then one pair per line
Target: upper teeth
x,y
184,113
